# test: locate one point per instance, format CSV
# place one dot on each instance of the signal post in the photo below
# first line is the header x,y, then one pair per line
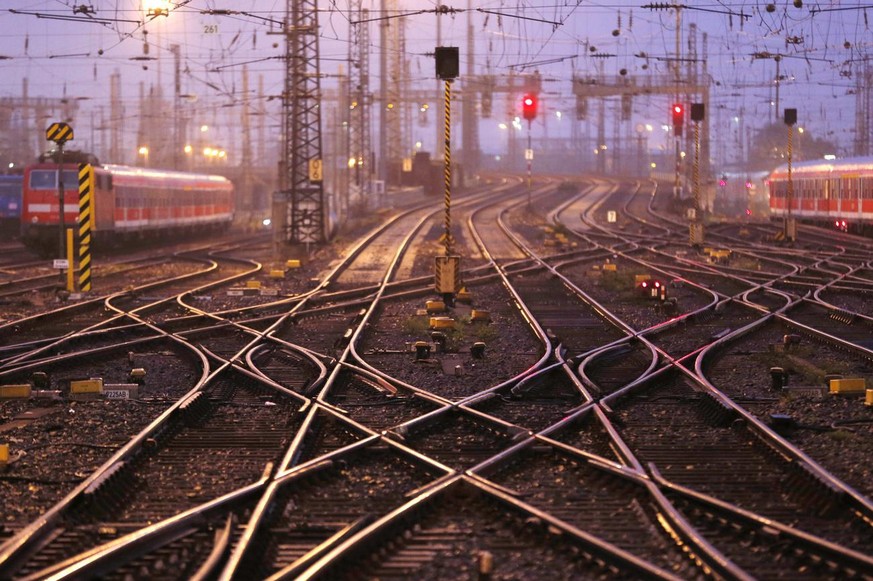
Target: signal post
x,y
695,230
447,269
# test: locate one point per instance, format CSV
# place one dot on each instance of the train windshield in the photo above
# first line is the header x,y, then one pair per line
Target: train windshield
x,y
47,179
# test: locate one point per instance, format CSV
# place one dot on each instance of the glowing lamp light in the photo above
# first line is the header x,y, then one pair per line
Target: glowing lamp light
x,y
722,183
156,7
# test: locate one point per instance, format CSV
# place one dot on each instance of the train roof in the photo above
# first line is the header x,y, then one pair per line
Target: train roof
x,y
823,166
125,170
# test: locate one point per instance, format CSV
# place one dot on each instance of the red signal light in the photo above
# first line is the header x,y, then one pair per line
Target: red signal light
x,y
678,111
529,107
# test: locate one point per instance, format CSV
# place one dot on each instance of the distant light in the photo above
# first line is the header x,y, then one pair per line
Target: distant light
x,y
188,149
682,155
11,165
558,114
267,222
352,162
800,129
204,128
830,157
503,126
603,146
497,158
143,150
722,183
156,7
748,212
207,151
653,165
748,185
222,154
649,127
418,145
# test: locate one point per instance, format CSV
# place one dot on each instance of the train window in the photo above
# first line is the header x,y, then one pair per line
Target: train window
x,y
47,179
104,181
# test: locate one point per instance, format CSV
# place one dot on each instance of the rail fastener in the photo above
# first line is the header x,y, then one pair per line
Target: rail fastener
x,y
848,386
15,391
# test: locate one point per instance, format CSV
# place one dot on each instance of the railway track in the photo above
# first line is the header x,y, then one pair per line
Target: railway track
x,y
575,431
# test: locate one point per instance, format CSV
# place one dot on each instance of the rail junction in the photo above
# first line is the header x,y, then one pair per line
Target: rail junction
x,y
601,400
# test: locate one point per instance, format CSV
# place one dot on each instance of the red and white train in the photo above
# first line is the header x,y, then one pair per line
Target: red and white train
x,y
127,203
838,192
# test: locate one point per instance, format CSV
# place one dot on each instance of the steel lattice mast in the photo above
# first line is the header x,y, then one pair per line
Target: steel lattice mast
x,y
359,107
300,205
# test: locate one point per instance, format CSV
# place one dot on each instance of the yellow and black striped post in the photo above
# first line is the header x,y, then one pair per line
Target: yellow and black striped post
x,y
86,218
447,172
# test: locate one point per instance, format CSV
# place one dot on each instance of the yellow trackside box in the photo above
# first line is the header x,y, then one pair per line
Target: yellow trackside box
x,y
293,263
638,278
93,385
4,453
17,391
442,323
253,284
435,306
610,267
869,399
480,316
277,273
850,386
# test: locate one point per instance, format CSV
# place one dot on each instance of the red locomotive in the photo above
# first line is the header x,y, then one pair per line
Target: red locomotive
x,y
838,193
128,203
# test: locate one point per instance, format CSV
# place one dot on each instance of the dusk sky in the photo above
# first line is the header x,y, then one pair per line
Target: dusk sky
x,y
69,48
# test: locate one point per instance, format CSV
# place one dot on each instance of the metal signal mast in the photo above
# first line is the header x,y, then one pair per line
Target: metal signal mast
x,y
298,208
360,158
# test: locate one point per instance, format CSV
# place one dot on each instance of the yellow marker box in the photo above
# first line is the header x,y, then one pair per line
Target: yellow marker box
x,y
17,391
442,323
850,386
638,278
94,385
480,316
277,273
253,284
435,306
4,454
293,263
464,296
869,399
610,267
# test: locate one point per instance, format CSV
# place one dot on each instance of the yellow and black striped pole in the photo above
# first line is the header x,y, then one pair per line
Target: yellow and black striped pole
x,y
447,172
86,213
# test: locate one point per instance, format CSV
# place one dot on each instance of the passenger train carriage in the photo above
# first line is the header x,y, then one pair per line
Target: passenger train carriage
x,y
127,203
839,192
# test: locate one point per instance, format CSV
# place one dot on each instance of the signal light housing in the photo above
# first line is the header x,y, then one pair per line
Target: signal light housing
x,y
529,106
678,111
